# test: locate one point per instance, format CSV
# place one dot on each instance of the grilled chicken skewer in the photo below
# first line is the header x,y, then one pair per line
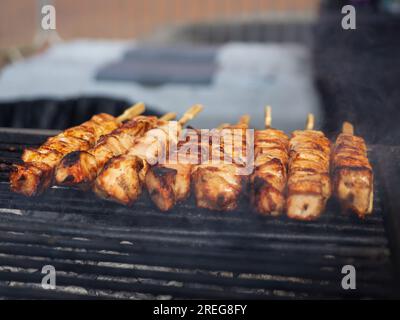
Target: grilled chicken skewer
x,y
169,183
309,184
268,181
36,173
352,173
80,168
217,185
122,177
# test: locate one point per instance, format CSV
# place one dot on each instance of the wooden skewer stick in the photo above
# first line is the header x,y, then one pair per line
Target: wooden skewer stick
x,y
245,119
168,116
131,112
348,128
268,118
190,114
310,122
223,125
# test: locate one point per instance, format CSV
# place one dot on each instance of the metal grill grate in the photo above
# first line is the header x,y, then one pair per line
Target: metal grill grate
x,y
101,249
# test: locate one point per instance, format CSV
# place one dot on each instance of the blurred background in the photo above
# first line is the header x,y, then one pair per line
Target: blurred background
x,y
233,56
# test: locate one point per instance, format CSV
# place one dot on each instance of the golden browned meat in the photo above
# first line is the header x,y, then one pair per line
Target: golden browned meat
x,y
36,173
169,183
352,174
217,187
30,178
122,177
309,184
217,182
268,181
80,168
119,180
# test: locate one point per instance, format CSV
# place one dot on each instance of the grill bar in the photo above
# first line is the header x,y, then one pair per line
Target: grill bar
x,y
284,284
32,293
187,260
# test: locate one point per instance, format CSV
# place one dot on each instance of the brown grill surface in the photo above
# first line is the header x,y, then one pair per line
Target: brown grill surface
x,y
104,250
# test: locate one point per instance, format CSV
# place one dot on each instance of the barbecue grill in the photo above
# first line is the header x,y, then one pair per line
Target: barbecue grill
x,y
104,250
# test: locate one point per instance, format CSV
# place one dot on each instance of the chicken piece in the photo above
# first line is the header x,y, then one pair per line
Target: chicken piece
x,y
268,181
30,178
131,168
36,173
169,183
217,182
309,185
80,168
217,187
352,175
119,180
